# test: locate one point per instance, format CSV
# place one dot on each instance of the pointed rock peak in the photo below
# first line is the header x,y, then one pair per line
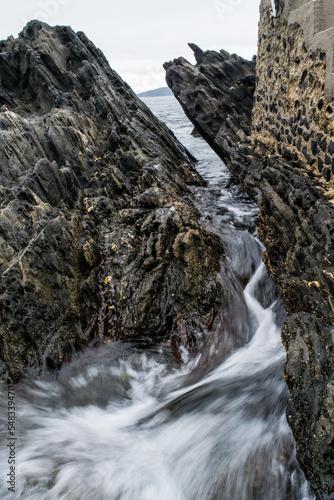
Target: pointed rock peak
x,y
198,52
32,28
225,54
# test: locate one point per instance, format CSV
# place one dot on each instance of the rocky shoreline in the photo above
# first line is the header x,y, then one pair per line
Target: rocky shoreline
x,y
99,236
100,239
296,226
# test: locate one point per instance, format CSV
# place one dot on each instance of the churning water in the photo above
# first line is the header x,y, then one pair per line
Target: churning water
x,y
120,423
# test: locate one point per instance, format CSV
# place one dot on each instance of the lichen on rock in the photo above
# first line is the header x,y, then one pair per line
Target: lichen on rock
x,y
99,236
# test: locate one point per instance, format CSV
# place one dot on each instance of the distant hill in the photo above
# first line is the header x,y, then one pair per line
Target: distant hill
x,y
161,92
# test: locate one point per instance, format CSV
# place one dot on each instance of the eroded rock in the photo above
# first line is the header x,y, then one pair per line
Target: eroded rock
x,y
295,224
99,236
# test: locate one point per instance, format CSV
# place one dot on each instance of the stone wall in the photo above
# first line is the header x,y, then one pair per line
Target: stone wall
x,y
294,108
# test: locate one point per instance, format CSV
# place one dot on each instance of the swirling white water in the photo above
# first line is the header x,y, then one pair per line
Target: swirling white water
x,y
122,423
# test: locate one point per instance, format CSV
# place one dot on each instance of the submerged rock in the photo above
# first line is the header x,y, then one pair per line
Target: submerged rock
x,y
99,236
295,224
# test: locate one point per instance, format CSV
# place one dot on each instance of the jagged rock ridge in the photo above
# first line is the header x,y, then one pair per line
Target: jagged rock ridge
x,y
99,236
220,85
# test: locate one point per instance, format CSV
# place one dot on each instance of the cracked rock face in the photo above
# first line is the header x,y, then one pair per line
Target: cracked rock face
x,y
296,225
99,236
219,85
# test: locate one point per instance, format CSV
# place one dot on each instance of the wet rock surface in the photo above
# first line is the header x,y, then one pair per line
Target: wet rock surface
x,y
99,236
296,225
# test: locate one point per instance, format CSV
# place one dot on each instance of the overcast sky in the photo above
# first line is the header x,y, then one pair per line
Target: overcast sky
x,y
137,37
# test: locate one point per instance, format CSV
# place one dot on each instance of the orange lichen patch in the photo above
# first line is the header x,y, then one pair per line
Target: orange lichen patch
x,y
310,283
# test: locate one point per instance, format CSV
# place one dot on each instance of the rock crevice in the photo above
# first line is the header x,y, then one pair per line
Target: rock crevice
x,y
270,153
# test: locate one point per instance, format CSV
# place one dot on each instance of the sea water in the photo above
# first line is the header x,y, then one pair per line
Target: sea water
x,y
123,423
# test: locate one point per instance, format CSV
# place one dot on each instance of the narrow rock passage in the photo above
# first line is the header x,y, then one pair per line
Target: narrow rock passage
x,y
125,423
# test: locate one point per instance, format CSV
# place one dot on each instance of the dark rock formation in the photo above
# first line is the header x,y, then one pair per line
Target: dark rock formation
x,y
99,236
296,225
220,85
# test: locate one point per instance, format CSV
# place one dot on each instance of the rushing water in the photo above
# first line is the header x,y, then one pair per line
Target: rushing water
x,y
121,423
